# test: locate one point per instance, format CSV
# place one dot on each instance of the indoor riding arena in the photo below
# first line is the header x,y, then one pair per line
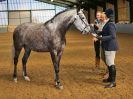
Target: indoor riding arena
x,y
78,74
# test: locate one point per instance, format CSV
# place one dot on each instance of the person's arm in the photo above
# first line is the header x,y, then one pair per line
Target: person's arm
x,y
112,35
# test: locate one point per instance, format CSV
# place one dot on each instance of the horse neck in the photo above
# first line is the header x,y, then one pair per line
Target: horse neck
x,y
64,21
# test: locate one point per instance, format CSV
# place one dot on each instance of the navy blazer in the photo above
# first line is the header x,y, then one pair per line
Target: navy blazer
x,y
108,38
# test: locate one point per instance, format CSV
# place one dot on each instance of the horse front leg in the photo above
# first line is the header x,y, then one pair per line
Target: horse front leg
x,y
56,62
59,56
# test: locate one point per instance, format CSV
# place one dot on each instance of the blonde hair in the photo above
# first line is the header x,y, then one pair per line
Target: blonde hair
x,y
103,15
99,12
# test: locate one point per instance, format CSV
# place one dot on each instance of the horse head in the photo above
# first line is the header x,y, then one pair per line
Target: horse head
x,y
81,22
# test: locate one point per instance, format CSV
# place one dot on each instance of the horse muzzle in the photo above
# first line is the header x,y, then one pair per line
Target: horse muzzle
x,y
86,30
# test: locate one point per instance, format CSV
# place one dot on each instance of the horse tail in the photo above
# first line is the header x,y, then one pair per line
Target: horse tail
x,y
13,48
13,53
12,56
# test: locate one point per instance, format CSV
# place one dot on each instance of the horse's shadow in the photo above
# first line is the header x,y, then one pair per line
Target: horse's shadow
x,y
8,78
81,74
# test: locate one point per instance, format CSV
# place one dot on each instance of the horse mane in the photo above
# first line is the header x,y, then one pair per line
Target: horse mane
x,y
58,15
62,12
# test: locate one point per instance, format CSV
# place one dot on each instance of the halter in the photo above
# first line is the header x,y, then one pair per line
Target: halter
x,y
86,25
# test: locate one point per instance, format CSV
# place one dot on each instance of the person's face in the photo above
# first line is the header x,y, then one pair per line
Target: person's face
x,y
103,18
98,16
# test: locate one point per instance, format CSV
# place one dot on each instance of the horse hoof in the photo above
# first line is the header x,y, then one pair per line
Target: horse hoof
x,y
59,87
26,78
15,80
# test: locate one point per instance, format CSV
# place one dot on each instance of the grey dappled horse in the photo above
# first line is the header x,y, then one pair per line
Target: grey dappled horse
x,y
47,37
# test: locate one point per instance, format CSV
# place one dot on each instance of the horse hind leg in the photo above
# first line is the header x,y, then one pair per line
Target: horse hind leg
x,y
24,61
16,55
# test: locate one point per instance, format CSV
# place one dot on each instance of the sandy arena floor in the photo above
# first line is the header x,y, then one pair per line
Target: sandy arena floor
x,y
77,73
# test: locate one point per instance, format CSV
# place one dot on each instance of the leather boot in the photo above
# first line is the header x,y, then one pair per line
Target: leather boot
x,y
97,62
109,77
112,71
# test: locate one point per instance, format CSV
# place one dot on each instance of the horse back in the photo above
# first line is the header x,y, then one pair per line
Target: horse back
x,y
31,35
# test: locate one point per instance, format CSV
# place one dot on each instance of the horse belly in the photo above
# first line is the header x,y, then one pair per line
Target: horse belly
x,y
39,48
37,44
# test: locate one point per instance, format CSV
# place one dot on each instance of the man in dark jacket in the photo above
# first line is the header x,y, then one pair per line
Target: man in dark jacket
x,y
109,44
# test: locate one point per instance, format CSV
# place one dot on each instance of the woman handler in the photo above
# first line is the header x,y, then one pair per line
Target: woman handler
x,y
109,44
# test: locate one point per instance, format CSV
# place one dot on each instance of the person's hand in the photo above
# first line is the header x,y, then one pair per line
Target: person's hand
x,y
94,35
94,39
92,25
96,27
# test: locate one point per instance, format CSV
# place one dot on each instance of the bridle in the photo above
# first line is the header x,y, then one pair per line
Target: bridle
x,y
86,25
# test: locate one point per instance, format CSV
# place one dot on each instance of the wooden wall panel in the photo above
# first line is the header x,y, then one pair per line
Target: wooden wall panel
x,y
123,11
92,15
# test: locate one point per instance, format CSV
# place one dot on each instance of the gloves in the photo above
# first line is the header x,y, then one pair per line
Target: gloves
x,y
99,37
96,27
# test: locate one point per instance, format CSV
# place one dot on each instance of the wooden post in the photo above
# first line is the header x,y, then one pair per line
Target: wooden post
x,y
116,10
131,10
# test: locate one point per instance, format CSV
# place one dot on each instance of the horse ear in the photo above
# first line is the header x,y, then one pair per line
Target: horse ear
x,y
79,5
81,9
78,9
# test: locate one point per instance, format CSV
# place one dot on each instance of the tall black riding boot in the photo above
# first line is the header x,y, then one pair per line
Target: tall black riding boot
x,y
109,78
112,71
